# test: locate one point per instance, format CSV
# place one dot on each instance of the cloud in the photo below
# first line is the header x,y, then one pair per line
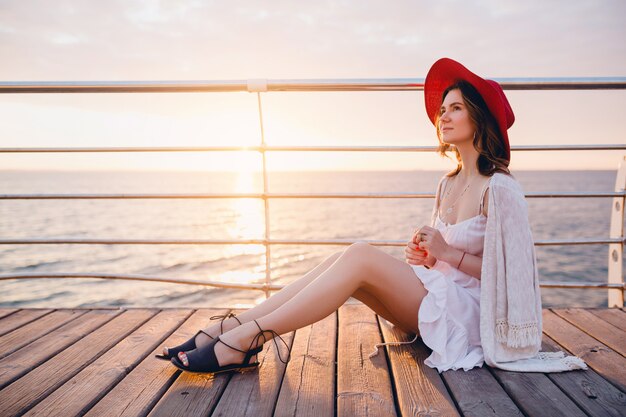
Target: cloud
x,y
285,39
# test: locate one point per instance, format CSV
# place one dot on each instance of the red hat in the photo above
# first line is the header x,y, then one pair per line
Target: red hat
x,y
446,72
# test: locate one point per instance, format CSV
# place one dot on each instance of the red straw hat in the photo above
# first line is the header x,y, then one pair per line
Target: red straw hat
x,y
446,72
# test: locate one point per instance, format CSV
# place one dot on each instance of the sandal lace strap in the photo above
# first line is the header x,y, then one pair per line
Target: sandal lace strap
x,y
224,317
275,335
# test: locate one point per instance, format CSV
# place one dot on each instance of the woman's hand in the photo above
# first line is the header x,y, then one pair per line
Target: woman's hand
x,y
416,256
432,242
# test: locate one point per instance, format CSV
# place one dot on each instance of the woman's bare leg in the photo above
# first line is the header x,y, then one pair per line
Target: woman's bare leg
x,y
361,267
285,295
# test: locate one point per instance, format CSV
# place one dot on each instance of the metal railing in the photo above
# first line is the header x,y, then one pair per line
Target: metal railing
x,y
615,284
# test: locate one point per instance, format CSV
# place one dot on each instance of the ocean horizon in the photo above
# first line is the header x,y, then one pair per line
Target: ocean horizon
x,y
302,218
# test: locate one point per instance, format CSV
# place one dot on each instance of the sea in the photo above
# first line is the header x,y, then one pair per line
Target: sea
x,y
302,218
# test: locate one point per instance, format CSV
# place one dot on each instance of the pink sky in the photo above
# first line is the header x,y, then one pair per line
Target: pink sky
x,y
225,40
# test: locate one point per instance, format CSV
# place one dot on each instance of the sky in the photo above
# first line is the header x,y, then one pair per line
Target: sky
x,y
90,40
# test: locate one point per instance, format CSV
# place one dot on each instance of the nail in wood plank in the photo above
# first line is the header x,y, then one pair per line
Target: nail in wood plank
x,y
536,395
592,393
608,363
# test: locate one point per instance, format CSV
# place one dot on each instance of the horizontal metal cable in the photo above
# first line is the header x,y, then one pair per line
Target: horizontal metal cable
x,y
278,148
572,194
264,85
135,277
220,284
344,242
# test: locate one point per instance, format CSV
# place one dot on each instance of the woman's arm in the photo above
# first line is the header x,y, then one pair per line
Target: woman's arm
x,y
470,264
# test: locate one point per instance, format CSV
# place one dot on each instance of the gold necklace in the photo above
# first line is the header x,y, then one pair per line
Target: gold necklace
x,y
449,209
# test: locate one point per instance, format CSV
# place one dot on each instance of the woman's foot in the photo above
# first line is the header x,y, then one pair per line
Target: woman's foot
x,y
204,336
236,348
239,338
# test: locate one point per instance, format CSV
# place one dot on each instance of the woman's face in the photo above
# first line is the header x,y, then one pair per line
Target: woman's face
x,y
455,125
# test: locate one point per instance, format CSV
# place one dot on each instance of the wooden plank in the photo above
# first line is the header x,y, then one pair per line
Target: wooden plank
x,y
31,356
591,392
536,395
609,364
308,388
6,311
419,388
594,326
363,384
191,394
615,316
20,318
82,391
138,392
492,400
24,335
27,391
254,393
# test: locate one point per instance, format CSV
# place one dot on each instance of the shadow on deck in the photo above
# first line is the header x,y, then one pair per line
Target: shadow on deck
x,y
99,362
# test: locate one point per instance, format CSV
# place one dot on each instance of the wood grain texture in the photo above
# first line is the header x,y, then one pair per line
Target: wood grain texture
x,y
20,318
39,351
101,363
608,363
363,385
478,393
27,391
139,391
84,389
419,388
255,393
587,389
192,395
536,395
308,387
7,311
27,333
600,329
615,316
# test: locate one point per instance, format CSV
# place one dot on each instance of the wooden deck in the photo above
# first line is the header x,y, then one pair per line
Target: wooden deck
x,y
99,362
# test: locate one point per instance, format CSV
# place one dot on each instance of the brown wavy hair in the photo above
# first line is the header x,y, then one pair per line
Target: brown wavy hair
x,y
488,140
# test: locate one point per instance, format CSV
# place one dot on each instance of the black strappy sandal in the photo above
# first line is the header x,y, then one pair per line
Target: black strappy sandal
x,y
203,359
191,343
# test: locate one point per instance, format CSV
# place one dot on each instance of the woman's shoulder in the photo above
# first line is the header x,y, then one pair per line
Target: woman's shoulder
x,y
505,189
505,180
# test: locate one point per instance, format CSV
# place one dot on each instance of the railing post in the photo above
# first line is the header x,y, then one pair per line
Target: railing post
x,y
616,295
266,204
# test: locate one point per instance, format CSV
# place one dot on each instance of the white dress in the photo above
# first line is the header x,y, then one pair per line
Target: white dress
x,y
449,316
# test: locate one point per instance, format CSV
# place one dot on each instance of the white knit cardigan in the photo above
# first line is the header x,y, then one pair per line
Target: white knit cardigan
x,y
510,300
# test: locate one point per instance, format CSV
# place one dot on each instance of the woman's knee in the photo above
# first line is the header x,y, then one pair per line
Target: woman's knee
x,y
359,255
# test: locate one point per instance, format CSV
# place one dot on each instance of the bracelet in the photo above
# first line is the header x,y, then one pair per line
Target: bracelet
x,y
426,266
457,267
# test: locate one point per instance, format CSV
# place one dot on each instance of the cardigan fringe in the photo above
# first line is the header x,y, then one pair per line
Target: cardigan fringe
x,y
516,335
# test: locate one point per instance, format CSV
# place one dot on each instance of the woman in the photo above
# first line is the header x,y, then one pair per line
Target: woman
x,y
437,292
